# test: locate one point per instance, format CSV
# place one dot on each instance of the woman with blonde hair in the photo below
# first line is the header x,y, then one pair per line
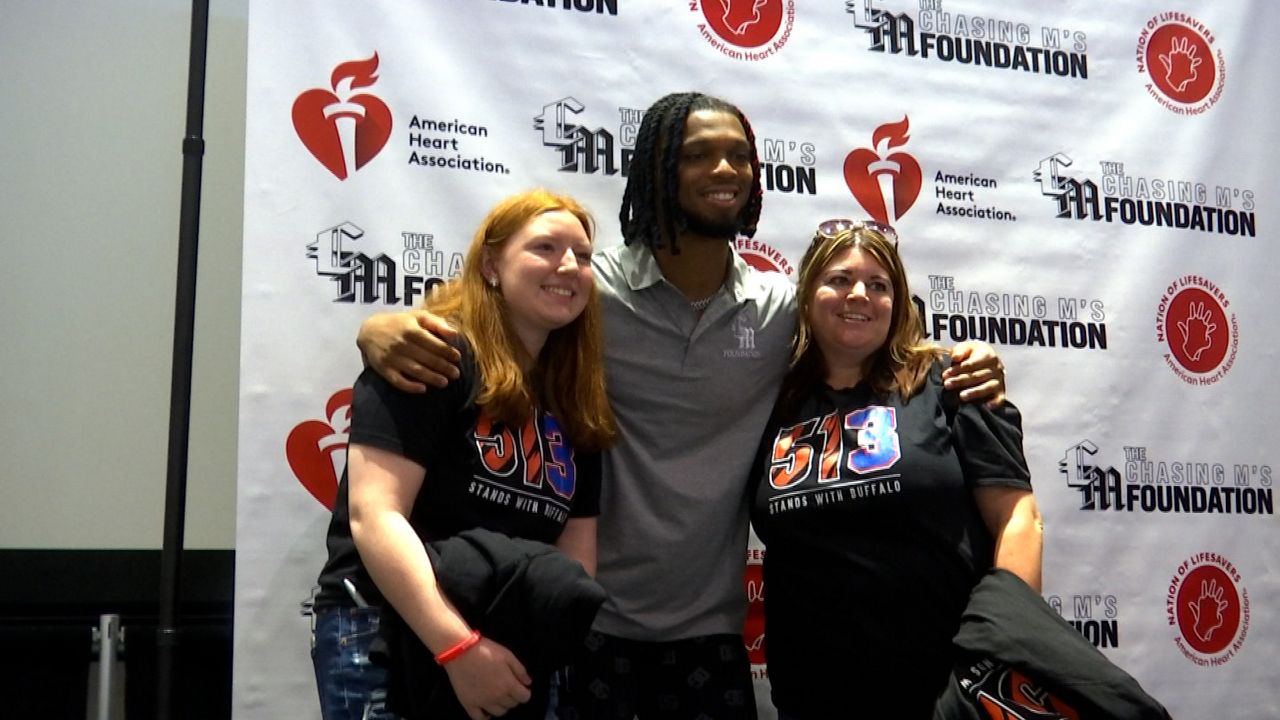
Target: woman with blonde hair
x,y
881,499
512,446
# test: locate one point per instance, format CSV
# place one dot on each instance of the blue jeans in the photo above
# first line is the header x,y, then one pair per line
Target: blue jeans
x,y
350,687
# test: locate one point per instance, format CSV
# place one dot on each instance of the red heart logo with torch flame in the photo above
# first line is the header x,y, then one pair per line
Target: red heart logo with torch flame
x,y
344,131
875,175
316,449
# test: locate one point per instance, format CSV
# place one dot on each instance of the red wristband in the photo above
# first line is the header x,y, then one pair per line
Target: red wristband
x,y
463,645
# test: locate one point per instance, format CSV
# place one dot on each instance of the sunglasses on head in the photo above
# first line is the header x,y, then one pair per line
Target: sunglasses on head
x,y
831,228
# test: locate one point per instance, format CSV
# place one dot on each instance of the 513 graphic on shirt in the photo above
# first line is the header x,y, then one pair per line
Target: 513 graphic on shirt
x,y
817,446
528,454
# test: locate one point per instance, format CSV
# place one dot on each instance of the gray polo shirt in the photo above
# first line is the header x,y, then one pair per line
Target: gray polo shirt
x,y
691,395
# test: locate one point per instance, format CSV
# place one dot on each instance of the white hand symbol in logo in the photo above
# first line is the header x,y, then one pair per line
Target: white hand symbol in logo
x,y
1197,331
739,24
1180,63
1207,609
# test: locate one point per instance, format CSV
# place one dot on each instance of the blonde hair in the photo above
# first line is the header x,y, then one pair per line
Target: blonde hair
x,y
901,364
567,377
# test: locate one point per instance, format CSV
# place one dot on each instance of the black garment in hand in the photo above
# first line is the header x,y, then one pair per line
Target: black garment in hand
x,y
1022,661
526,595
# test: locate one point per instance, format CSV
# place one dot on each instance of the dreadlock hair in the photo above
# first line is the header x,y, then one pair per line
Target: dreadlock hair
x,y
567,378
651,211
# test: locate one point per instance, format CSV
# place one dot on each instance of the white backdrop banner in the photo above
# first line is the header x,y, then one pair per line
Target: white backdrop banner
x,y
1090,187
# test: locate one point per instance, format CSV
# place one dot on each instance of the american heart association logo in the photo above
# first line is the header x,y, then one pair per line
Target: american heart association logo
x,y
874,175
317,449
344,131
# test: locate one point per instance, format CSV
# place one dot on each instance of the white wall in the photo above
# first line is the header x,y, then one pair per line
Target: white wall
x,y
92,115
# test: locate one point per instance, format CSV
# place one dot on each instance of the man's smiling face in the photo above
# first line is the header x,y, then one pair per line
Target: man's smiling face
x,y
714,173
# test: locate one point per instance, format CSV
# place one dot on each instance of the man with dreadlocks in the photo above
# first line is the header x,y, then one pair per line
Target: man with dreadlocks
x,y
696,345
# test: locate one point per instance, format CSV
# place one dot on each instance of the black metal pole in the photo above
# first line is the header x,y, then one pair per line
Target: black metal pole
x,y
175,499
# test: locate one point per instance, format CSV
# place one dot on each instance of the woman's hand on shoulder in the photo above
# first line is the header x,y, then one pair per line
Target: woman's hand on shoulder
x,y
409,349
976,372
488,680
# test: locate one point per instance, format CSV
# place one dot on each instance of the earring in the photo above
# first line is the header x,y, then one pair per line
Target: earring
x,y
493,281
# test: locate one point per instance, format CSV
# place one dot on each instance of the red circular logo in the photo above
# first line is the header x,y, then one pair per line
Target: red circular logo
x,y
1197,330
1208,609
1181,63
745,23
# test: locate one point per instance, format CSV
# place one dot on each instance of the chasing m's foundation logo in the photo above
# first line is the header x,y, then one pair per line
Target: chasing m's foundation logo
x,y
595,7
980,41
743,344
1149,483
787,166
1200,335
582,148
365,278
1176,55
954,313
587,147
1207,605
1094,615
749,30
1122,197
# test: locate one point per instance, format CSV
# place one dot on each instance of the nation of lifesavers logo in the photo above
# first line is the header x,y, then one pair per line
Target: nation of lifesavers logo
x,y
884,179
1200,335
1176,54
1207,604
745,29
344,129
763,256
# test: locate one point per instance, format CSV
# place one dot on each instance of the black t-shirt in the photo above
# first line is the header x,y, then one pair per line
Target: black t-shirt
x,y
522,482
874,541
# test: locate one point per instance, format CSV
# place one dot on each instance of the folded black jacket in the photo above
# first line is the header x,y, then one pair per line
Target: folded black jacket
x,y
524,594
1021,661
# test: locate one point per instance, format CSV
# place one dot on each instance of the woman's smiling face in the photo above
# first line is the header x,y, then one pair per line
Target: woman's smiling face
x,y
852,308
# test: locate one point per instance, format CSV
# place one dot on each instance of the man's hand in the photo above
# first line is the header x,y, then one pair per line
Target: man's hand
x,y
409,350
488,680
976,371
